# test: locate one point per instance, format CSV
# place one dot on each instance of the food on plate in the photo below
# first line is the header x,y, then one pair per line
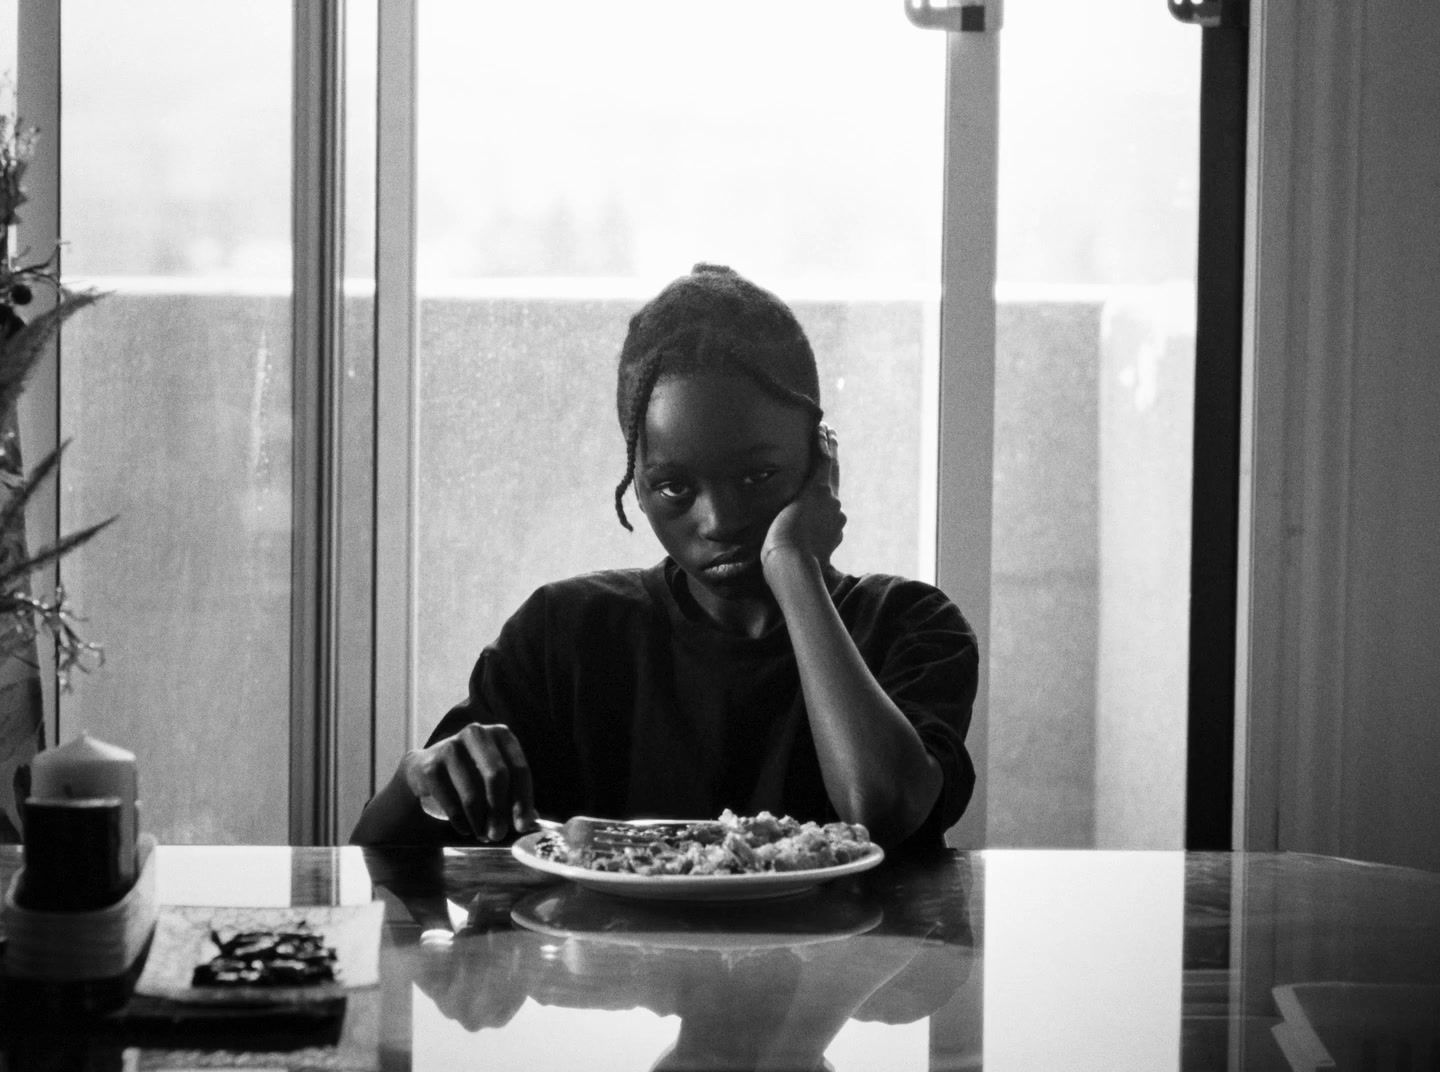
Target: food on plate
x,y
732,845
268,958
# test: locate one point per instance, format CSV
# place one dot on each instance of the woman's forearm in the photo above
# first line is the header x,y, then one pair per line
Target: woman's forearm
x,y
876,769
395,817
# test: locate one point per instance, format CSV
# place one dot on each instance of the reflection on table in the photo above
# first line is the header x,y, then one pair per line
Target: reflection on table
x,y
755,985
1010,960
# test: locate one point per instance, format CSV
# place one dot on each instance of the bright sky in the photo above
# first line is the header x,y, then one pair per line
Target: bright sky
x,y
571,138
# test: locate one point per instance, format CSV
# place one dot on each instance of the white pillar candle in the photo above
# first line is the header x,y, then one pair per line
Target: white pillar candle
x,y
84,767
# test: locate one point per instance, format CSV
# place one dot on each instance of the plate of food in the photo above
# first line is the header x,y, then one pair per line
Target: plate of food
x,y
732,858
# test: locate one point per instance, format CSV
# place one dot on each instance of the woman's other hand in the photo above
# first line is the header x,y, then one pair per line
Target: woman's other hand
x,y
812,524
478,780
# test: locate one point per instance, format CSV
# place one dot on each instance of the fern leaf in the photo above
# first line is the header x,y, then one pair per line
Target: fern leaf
x,y
20,353
51,553
15,508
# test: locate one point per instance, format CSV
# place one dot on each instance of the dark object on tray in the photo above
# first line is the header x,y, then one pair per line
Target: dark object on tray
x,y
268,958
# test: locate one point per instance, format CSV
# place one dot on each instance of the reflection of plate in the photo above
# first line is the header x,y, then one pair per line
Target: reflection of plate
x,y
573,912
182,940
691,887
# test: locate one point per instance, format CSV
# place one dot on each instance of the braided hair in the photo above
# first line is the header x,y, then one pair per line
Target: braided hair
x,y
713,319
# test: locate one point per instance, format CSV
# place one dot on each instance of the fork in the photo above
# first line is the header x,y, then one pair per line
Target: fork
x,y
582,832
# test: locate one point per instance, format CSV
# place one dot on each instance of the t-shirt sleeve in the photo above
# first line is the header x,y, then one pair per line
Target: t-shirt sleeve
x,y
510,685
930,669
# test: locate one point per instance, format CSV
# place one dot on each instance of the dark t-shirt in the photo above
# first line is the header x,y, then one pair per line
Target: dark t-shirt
x,y
629,702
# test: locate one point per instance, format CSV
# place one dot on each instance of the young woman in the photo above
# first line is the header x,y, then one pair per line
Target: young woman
x,y
743,671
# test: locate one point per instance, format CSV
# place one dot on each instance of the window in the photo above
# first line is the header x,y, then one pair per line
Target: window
x,y
1094,399
176,391
568,161
547,215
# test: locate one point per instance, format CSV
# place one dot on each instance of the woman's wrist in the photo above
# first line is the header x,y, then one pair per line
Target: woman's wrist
x,y
787,559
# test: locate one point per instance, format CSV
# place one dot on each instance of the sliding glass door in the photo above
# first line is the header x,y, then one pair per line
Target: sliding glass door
x,y
533,173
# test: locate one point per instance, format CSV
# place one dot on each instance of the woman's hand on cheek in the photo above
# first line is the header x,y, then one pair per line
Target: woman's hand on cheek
x,y
477,779
812,524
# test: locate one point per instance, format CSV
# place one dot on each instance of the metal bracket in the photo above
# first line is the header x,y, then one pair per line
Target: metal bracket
x,y
1210,14
967,16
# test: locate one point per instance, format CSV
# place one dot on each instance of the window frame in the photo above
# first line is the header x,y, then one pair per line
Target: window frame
x,y
343,749
317,204
396,392
965,459
37,95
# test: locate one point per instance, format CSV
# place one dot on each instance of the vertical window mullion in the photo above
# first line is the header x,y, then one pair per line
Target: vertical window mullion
x,y
967,365
38,105
1219,297
316,239
395,379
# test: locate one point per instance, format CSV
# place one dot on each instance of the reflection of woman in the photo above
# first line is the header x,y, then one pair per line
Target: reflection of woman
x,y
743,671
779,1009
756,1003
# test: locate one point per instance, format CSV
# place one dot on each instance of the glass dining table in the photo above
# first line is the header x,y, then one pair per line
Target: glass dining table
x,y
1002,959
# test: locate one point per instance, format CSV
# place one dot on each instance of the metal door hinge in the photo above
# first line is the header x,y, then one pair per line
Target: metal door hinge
x,y
1210,14
966,16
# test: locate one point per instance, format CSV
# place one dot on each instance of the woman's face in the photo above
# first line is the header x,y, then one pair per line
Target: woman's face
x,y
717,460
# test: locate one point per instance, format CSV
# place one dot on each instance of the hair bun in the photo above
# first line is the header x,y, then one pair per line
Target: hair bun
x,y
706,268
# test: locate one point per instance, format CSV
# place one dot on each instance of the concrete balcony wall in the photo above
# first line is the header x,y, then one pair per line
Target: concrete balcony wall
x,y
179,405
1146,420
1044,595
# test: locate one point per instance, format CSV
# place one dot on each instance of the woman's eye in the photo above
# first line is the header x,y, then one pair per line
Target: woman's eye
x,y
757,477
669,489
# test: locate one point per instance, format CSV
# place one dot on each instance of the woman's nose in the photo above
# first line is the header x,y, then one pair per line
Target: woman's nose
x,y
721,515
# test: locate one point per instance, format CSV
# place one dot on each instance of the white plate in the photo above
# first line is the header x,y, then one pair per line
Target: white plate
x,y
691,887
570,912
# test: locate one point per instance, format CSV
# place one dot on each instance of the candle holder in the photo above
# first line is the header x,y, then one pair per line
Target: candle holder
x,y
68,962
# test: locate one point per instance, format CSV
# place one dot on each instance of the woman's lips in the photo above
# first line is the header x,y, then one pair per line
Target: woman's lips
x,y
734,564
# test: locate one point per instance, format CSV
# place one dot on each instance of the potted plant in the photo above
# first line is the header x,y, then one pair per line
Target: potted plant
x,y
25,618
